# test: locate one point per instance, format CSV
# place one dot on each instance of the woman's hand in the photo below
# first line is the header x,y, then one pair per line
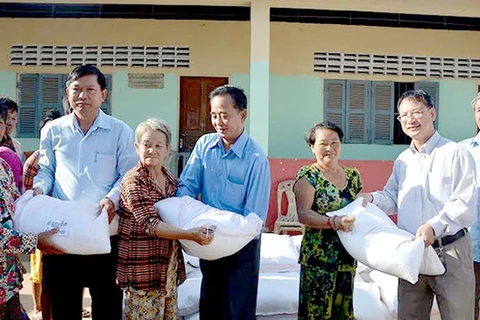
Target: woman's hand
x,y
202,235
343,223
45,243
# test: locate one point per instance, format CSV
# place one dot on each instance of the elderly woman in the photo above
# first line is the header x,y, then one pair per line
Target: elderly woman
x,y
327,270
13,243
150,265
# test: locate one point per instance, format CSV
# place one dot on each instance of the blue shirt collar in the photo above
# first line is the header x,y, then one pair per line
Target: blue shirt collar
x,y
101,121
238,147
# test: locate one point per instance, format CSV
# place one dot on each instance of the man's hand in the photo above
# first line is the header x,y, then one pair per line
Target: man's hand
x,y
426,233
367,198
45,243
108,205
37,191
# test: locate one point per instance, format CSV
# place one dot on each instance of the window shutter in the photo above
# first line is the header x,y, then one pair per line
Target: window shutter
x,y
432,88
51,87
357,102
28,92
106,105
334,102
383,112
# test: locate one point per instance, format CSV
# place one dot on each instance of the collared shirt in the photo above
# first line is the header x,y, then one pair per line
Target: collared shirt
x,y
30,169
473,146
78,166
237,180
144,258
436,184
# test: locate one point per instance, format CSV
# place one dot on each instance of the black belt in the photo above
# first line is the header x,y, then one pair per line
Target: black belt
x,y
450,239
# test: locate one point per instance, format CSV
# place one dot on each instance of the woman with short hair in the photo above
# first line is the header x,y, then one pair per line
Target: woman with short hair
x,y
327,270
151,265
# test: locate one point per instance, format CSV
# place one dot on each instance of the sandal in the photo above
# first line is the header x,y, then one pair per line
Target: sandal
x,y
86,313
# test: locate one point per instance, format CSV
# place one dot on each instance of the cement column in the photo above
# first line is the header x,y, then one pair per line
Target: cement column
x,y
259,72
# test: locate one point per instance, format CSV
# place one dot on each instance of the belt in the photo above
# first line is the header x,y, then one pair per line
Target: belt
x,y
450,239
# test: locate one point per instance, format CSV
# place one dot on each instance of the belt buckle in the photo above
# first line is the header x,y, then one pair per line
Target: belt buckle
x,y
441,253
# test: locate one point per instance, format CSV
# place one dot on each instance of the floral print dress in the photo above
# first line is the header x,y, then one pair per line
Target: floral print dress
x,y
327,270
11,243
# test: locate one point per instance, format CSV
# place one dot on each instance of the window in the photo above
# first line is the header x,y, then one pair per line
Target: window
x,y
37,95
366,109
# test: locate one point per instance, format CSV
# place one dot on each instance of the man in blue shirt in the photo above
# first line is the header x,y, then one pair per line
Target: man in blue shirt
x,y
230,172
83,156
473,146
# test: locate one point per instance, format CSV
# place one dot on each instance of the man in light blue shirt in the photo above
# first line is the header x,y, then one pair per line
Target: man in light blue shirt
x,y
230,172
83,156
473,146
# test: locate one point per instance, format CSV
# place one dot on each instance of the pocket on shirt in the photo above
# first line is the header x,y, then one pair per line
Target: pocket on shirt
x,y
439,186
105,170
235,194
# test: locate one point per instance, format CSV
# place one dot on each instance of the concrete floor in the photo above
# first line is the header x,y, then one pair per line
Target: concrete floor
x,y
27,300
26,296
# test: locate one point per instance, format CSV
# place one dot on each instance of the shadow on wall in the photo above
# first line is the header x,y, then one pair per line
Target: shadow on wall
x,y
374,175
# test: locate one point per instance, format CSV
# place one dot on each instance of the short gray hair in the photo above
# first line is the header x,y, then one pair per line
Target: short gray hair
x,y
475,100
154,125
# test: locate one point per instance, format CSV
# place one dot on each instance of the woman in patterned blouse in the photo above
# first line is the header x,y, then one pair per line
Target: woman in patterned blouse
x,y
150,265
327,270
12,244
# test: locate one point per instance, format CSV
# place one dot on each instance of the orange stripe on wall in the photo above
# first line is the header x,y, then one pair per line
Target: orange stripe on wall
x,y
374,175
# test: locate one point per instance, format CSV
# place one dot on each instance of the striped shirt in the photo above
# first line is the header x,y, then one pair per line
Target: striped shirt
x,y
30,169
143,257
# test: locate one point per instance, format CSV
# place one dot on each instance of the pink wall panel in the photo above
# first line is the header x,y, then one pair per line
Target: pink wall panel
x,y
374,176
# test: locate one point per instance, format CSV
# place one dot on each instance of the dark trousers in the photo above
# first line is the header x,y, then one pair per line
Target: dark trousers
x,y
229,285
476,269
66,275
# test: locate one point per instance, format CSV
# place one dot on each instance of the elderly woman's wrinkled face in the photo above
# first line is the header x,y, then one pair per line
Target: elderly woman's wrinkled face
x,y
327,146
153,148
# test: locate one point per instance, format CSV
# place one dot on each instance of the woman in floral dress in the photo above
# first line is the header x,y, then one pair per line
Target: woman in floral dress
x,y
13,243
327,270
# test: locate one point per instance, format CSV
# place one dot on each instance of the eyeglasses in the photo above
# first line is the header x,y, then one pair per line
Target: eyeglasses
x,y
415,114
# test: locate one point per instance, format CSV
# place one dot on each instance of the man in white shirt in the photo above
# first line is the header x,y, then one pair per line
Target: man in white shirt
x,y
473,146
434,191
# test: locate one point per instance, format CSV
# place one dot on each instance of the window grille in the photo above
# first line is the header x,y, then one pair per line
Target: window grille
x,y
108,55
391,65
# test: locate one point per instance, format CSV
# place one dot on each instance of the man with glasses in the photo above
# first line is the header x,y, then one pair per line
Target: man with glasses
x,y
473,146
433,189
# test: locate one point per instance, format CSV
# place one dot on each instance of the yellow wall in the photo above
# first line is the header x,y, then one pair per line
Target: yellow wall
x,y
216,48
223,48
295,43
